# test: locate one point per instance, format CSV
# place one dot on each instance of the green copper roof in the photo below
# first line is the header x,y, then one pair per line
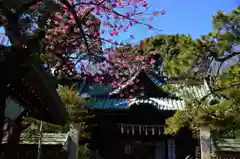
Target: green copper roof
x,y
13,109
108,104
159,103
227,144
97,89
195,91
155,79
47,139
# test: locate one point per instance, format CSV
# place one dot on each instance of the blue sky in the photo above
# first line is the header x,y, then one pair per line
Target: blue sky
x,y
192,17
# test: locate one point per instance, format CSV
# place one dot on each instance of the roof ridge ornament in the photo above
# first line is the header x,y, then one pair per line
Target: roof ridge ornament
x,y
117,90
159,103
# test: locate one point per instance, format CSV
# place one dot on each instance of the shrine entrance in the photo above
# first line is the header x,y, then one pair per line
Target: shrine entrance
x,y
136,149
144,150
138,133
134,128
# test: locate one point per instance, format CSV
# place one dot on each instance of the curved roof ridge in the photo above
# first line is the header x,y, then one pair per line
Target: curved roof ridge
x,y
160,103
117,90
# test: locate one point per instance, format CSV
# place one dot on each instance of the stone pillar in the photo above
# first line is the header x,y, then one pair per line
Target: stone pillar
x,y
205,142
198,152
73,141
160,151
171,148
13,139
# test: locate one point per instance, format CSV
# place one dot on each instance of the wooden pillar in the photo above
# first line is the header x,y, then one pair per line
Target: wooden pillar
x,y
205,142
2,108
13,139
3,89
160,152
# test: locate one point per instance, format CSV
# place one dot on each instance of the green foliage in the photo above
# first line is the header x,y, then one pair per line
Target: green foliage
x,y
175,123
185,57
167,87
230,78
47,58
222,116
188,117
85,153
226,29
76,112
176,50
70,97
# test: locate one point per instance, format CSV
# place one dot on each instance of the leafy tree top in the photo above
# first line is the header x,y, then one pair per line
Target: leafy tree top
x,y
213,57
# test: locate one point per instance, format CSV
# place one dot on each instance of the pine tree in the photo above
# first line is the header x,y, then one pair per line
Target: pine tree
x,y
214,57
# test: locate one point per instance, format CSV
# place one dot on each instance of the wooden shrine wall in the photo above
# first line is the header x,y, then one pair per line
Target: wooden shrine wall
x,y
185,144
111,142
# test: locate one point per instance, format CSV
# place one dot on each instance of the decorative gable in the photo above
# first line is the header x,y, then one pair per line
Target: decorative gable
x,y
142,84
160,103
